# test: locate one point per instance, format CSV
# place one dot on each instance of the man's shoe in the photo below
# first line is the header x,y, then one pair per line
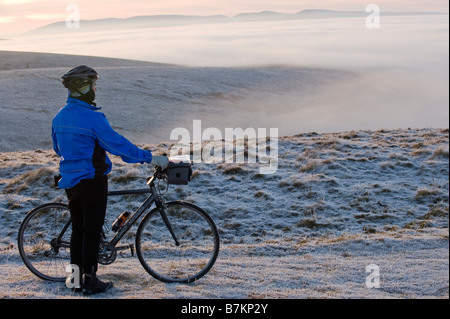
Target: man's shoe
x,y
92,285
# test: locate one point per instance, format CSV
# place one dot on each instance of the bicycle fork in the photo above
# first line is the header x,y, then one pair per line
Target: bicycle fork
x,y
160,206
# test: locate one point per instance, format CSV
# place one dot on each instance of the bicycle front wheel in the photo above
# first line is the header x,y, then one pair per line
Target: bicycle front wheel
x,y
186,261
44,241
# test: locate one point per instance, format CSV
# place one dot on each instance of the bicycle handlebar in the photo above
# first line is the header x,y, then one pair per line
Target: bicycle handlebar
x,y
178,172
159,173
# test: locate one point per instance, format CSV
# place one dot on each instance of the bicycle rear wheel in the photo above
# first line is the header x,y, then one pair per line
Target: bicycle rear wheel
x,y
44,241
183,263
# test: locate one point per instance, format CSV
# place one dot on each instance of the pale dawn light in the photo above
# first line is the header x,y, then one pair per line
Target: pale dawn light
x,y
50,11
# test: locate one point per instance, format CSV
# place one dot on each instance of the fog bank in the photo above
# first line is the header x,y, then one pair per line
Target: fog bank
x,y
324,75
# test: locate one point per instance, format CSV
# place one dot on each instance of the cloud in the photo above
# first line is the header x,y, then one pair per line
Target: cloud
x,y
7,19
17,2
45,16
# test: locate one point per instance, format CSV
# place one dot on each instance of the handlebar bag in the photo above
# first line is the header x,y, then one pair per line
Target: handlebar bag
x,y
179,173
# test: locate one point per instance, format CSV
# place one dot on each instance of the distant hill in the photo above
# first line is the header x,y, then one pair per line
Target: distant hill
x,y
12,60
321,14
153,21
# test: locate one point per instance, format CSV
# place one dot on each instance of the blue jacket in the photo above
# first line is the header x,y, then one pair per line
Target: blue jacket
x,y
80,137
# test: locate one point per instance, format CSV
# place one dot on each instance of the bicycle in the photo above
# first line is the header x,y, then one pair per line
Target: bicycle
x,y
175,241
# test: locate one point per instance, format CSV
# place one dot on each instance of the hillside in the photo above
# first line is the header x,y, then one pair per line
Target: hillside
x,y
337,203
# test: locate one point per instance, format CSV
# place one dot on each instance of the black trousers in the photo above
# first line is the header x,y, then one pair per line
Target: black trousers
x,y
87,203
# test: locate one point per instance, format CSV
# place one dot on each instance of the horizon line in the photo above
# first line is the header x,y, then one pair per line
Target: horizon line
x,y
240,14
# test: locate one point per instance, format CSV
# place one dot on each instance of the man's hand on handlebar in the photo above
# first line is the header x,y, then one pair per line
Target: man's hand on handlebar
x,y
161,161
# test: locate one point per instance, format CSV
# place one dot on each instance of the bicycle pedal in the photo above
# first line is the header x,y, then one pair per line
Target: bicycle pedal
x,y
124,255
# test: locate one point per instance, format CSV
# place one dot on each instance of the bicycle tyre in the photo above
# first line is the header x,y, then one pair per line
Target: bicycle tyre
x,y
43,253
198,249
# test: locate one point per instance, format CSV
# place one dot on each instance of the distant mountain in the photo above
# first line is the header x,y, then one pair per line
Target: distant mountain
x,y
323,14
13,60
261,16
154,21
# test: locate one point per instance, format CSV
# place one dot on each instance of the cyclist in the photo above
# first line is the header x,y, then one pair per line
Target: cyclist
x,y
81,136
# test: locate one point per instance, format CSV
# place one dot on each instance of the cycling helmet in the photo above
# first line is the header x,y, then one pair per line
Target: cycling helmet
x,y
79,82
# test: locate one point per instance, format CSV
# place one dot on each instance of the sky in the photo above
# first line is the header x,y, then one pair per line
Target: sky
x,y
18,16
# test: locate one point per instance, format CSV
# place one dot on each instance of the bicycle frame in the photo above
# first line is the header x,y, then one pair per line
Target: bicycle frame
x,y
130,222
152,198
